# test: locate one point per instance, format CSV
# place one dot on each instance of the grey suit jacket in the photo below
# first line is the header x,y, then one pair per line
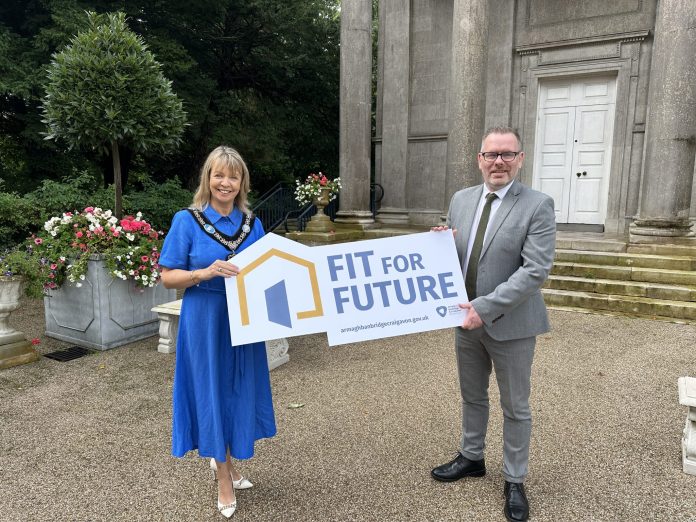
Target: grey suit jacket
x,y
515,261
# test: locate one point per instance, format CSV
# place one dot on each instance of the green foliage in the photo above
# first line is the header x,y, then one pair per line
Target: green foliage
x,y
159,202
21,216
105,86
260,75
78,191
18,218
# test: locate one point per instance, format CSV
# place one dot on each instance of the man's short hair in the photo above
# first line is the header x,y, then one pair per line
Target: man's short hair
x,y
502,130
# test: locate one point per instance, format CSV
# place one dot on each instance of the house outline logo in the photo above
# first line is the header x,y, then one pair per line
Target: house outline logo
x,y
318,310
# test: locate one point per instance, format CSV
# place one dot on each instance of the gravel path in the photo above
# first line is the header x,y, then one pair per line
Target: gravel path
x,y
89,439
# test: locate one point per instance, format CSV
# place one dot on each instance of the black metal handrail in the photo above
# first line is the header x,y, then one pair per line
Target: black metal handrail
x,y
375,189
278,206
273,206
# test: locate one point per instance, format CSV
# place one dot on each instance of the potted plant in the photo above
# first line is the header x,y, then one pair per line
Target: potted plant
x,y
99,277
14,347
319,190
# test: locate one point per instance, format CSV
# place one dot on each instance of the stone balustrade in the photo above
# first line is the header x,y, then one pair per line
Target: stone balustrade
x,y
687,397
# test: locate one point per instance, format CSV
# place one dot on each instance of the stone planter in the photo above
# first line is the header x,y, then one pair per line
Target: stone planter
x,y
104,312
14,348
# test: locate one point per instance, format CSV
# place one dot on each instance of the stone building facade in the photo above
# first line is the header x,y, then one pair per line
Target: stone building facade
x,y
603,94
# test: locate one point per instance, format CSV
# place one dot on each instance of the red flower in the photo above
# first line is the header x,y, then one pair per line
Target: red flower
x,y
35,341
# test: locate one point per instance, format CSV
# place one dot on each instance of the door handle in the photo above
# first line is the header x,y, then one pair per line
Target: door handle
x,y
584,173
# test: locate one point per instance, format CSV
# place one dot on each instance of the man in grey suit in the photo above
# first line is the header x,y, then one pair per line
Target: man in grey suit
x,y
506,245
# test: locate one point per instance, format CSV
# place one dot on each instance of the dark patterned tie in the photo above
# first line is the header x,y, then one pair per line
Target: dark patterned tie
x,y
472,268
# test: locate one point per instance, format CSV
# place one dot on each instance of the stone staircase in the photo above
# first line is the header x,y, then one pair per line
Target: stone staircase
x,y
608,276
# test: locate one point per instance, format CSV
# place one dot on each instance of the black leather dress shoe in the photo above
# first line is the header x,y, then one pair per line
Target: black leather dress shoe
x,y
458,468
516,504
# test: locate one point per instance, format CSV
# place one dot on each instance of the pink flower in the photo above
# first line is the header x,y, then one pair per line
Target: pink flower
x,y
52,276
323,181
116,233
79,234
144,259
38,240
53,266
52,285
89,209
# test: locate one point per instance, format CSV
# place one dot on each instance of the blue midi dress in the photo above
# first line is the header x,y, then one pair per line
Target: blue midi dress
x,y
222,393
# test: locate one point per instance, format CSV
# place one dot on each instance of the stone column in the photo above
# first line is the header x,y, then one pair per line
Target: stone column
x,y
394,40
355,113
671,128
467,94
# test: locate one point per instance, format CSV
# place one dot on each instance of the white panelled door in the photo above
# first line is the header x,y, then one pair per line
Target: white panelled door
x,y
573,146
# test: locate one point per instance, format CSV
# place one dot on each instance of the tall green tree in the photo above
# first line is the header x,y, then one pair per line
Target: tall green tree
x,y
105,90
261,75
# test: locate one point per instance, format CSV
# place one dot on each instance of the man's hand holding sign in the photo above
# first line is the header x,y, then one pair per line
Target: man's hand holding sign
x,y
353,291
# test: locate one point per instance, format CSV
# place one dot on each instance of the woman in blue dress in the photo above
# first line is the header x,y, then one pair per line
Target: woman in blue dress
x,y
222,393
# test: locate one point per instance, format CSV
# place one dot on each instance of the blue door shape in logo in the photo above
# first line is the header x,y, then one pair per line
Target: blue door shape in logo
x,y
277,304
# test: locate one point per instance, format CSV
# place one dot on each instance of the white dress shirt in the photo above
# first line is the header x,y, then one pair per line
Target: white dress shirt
x,y
477,218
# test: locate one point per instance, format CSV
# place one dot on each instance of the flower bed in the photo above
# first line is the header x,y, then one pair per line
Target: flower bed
x,y
130,248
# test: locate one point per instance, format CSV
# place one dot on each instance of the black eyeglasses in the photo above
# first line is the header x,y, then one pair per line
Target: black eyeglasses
x,y
506,156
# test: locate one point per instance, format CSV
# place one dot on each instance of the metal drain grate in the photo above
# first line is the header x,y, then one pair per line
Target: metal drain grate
x,y
74,352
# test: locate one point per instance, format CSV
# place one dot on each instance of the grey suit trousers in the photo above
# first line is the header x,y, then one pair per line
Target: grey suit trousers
x,y
477,353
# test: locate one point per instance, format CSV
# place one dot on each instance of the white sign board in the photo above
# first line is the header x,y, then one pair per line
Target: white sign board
x,y
352,291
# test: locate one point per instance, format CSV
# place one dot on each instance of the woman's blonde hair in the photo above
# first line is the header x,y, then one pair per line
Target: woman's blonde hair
x,y
222,156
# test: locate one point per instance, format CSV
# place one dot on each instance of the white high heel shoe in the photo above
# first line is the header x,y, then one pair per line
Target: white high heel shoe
x,y
242,483
227,510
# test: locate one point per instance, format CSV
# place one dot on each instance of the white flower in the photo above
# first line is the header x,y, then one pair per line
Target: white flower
x,y
131,272
82,277
78,285
130,236
54,233
143,277
62,258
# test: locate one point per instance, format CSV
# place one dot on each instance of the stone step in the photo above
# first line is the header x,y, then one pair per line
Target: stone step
x,y
628,288
626,259
594,245
625,273
623,305
662,250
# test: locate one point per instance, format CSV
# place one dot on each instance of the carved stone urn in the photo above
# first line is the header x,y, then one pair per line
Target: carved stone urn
x,y
14,347
320,222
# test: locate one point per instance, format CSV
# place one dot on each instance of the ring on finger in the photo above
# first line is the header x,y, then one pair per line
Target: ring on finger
x,y
219,269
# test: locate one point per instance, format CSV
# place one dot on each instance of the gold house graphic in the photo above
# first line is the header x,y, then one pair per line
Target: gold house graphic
x,y
281,299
